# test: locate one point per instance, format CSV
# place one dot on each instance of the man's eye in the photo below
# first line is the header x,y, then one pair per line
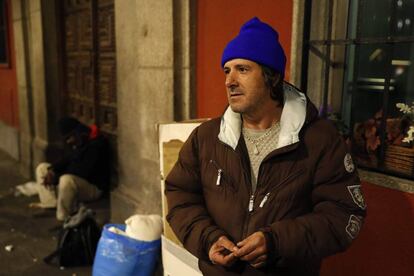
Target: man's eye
x,y
226,71
243,69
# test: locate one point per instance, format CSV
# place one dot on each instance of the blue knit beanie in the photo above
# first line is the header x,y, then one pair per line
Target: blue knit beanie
x,y
258,42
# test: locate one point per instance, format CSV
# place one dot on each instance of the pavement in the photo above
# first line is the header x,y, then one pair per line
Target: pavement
x,y
30,232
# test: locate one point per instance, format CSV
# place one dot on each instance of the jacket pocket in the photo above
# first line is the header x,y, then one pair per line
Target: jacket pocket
x,y
271,193
221,177
291,176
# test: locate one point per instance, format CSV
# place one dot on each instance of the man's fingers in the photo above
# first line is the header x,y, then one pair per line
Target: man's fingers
x,y
224,260
221,252
229,259
252,255
252,249
242,243
226,243
246,249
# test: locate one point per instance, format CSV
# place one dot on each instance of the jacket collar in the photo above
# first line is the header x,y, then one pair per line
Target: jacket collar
x,y
291,122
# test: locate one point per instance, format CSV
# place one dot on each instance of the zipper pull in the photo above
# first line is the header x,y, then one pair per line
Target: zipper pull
x,y
251,203
219,172
264,200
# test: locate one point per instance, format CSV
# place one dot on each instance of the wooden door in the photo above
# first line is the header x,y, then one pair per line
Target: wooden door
x,y
89,62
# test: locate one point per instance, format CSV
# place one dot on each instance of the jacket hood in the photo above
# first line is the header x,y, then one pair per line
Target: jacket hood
x,y
297,112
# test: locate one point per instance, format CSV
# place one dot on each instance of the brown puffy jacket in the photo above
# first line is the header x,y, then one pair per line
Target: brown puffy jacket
x,y
308,199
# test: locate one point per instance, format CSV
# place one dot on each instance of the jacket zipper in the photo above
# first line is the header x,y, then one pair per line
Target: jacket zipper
x,y
252,198
252,195
262,203
218,177
251,206
251,203
221,173
267,197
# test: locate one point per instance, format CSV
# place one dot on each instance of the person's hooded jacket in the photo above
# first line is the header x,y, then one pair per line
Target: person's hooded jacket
x,y
308,200
91,160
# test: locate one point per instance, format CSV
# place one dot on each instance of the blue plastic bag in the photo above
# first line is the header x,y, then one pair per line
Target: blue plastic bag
x,y
120,255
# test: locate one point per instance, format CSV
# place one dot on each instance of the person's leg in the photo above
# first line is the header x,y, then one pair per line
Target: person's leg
x,y
70,189
47,196
66,196
86,190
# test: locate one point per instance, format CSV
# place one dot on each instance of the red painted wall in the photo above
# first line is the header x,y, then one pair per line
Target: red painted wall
x,y
8,81
385,245
220,21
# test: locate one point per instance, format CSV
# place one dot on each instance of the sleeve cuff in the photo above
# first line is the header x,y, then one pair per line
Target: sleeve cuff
x,y
272,244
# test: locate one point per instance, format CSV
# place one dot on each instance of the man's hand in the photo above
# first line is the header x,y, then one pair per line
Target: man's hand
x,y
49,179
253,250
221,252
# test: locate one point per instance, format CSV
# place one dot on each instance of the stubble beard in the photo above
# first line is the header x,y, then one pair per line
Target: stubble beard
x,y
237,106
246,108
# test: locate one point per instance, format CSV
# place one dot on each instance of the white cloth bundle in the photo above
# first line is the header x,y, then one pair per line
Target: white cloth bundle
x,y
144,227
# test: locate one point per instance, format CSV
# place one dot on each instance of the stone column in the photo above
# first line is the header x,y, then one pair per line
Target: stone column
x,y
184,59
20,27
37,77
53,74
37,91
297,42
145,74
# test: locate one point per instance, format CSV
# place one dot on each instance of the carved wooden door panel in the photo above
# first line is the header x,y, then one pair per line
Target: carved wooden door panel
x,y
89,64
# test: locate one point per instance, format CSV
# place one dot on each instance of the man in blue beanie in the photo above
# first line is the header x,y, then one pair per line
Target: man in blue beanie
x,y
268,188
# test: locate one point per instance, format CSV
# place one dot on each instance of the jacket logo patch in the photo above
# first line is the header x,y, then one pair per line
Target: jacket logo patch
x,y
357,196
353,227
349,163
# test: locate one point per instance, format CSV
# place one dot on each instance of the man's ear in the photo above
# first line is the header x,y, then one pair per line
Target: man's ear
x,y
276,80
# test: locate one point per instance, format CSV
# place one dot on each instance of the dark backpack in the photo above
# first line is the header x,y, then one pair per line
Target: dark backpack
x,y
76,245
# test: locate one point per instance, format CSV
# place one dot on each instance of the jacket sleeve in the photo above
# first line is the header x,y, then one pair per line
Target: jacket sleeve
x,y
187,213
60,165
338,209
83,164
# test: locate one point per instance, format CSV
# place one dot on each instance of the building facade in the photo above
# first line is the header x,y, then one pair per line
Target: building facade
x,y
132,64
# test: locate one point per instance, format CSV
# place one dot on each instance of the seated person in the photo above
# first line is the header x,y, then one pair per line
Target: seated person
x,y
82,175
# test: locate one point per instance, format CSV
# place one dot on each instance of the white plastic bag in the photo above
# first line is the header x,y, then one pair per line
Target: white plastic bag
x,y
144,227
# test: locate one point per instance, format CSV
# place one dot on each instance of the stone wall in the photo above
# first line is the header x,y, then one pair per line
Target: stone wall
x,y
21,25
9,140
35,32
150,64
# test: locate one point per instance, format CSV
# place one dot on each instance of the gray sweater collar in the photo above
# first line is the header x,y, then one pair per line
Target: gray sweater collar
x,y
291,122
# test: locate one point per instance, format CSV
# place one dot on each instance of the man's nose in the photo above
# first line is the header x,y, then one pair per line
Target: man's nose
x,y
231,80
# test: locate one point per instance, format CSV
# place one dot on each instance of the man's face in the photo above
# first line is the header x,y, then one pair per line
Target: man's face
x,y
245,85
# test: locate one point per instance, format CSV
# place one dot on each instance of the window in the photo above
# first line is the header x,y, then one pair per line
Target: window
x,y
378,73
4,56
382,76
